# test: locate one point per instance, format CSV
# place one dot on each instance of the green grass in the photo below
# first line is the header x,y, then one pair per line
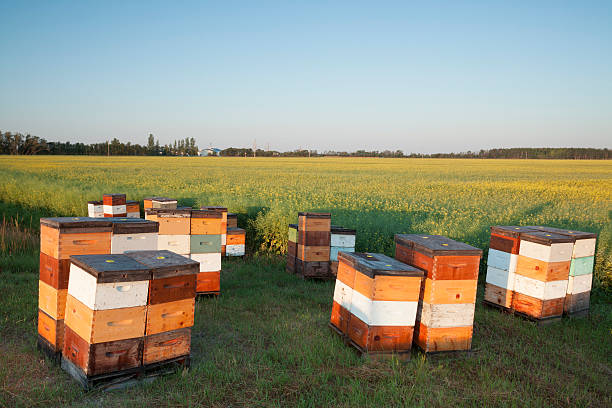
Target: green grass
x,y
265,341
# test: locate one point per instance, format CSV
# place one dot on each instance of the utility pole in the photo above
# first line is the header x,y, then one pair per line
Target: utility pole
x,y
107,148
254,147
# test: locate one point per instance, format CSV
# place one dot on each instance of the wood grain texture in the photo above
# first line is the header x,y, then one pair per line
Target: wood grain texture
x,y
346,274
52,330
290,263
451,267
52,301
232,220
314,224
174,225
104,325
539,289
207,226
236,236
314,238
383,313
208,282
171,289
443,339
380,338
313,253
101,358
167,345
548,253
312,269
501,278
443,315
170,316
537,308
62,246
543,271
340,317
579,284
449,291
54,272
577,302
343,294
504,244
498,295
388,288
584,247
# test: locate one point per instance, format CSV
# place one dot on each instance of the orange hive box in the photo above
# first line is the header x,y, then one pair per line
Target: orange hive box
x,y
375,302
115,205
445,316
236,242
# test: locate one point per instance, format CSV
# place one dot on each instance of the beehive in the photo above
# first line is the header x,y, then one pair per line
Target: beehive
x,y
501,264
542,274
292,248
174,230
342,239
236,242
114,205
95,209
223,211
577,298
313,245
59,239
133,209
375,302
232,220
446,305
207,227
133,234
160,203
126,313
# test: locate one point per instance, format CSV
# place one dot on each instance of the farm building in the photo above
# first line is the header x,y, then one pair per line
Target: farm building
x,y
211,151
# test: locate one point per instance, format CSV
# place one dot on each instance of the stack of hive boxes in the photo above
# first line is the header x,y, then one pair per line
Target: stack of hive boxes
x,y
292,248
542,274
375,302
59,239
207,228
133,234
133,209
223,211
174,229
342,239
114,205
232,220
578,295
313,245
501,264
445,317
127,313
236,242
95,209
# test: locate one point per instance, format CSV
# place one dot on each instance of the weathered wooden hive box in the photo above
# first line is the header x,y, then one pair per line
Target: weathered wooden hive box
x,y
446,305
292,248
207,228
174,230
133,209
223,211
232,220
236,242
313,245
342,239
133,234
95,209
160,202
127,313
542,274
501,264
577,298
59,239
115,205
375,302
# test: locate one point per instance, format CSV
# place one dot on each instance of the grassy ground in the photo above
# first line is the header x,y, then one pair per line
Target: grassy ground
x,y
265,342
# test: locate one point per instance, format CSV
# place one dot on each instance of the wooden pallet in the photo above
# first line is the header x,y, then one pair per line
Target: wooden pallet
x,y
48,350
578,315
317,278
373,355
125,378
541,321
450,354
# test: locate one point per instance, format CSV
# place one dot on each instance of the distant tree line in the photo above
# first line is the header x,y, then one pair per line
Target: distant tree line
x,y
17,143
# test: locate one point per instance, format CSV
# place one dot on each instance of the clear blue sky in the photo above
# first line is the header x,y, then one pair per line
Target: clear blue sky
x,y
421,77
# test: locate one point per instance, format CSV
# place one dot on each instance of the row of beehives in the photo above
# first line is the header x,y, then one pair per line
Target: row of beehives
x,y
113,206
540,272
105,312
313,245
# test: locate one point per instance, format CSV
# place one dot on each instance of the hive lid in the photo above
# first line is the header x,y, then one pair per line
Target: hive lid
x,y
571,233
546,238
372,265
335,229
112,268
511,231
133,226
436,245
95,202
314,215
132,202
294,226
203,213
235,231
165,264
78,224
214,208
232,215
174,212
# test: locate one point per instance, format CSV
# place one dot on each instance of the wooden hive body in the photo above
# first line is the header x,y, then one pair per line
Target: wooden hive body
x,y
133,234
133,209
236,242
174,222
382,302
232,220
292,248
313,245
446,303
95,209
114,205
208,222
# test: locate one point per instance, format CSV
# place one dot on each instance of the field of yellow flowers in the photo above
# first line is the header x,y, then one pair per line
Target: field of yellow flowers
x,y
378,197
